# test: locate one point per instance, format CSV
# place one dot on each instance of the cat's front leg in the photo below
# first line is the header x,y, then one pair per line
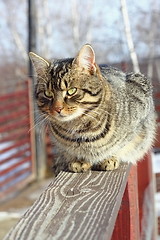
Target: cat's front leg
x,y
79,166
108,164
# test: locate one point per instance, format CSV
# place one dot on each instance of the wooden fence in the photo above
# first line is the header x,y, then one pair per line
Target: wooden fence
x,y
16,141
109,205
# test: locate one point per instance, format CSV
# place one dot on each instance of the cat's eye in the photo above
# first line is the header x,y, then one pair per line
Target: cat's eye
x,y
48,94
72,91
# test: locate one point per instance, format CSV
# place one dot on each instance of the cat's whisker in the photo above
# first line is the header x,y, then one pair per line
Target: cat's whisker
x,y
104,111
43,130
87,114
40,113
34,112
40,117
40,77
98,121
97,112
40,121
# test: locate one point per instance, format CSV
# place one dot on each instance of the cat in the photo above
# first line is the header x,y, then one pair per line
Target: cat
x,y
99,116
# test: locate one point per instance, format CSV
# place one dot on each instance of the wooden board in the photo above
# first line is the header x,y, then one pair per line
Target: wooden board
x,y
80,206
127,225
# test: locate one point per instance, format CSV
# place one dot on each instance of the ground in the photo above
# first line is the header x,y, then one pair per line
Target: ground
x,y
12,210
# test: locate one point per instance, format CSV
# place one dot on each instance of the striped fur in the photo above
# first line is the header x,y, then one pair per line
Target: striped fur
x,y
108,119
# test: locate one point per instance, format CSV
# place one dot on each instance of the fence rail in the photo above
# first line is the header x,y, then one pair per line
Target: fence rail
x,y
95,205
75,206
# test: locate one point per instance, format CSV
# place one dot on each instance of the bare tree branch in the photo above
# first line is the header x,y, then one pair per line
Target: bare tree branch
x,y
128,34
89,21
151,37
75,22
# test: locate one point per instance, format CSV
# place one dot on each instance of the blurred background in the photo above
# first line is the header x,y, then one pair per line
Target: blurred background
x,y
62,27
124,34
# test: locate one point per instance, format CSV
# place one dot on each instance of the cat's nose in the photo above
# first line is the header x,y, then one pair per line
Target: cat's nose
x,y
58,109
58,106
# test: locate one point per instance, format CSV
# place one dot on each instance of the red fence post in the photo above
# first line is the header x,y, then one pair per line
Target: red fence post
x,y
127,223
146,198
32,130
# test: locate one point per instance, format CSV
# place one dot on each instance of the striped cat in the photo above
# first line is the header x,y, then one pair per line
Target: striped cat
x,y
99,116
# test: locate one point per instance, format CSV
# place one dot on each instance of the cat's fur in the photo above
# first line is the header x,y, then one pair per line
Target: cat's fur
x,y
99,116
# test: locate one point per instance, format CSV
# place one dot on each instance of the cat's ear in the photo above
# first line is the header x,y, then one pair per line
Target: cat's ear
x,y
86,59
40,64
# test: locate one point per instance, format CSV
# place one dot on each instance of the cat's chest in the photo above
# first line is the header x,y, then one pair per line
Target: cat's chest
x,y
66,138
82,142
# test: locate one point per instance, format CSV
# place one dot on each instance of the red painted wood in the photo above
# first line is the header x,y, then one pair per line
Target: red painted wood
x,y
10,117
157,140
16,155
15,135
31,131
17,174
145,177
134,207
157,95
5,171
13,190
127,223
157,107
17,124
14,104
13,95
16,144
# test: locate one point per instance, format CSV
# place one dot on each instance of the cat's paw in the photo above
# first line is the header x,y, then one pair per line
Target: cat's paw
x,y
79,166
109,164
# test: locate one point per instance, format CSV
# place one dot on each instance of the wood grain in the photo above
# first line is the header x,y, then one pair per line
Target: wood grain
x,y
75,206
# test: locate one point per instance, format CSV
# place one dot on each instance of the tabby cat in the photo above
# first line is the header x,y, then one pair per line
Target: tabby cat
x,y
99,116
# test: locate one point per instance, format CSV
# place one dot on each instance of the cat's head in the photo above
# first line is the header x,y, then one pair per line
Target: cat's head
x,y
69,88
